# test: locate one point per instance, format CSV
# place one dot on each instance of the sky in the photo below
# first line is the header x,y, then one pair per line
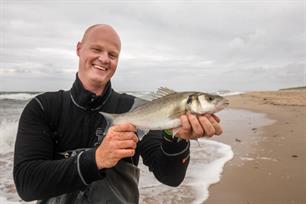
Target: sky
x,y
183,45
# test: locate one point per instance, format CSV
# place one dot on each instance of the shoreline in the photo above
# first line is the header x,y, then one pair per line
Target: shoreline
x,y
274,170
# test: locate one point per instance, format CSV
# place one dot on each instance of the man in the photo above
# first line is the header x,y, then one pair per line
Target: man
x,y
64,155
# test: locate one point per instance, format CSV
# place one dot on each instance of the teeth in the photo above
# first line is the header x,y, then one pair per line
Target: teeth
x,y
99,67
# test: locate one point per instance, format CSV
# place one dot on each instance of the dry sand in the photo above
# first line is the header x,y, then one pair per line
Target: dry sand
x,y
274,170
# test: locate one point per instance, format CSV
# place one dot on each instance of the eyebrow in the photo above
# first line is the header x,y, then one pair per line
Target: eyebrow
x,y
102,47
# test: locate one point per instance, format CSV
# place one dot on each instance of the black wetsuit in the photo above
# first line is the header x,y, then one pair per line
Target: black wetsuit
x,y
54,124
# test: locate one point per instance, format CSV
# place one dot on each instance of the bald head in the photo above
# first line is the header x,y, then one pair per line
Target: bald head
x,y
102,29
98,57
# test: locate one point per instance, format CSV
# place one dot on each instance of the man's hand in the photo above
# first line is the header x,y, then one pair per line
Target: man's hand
x,y
194,127
120,142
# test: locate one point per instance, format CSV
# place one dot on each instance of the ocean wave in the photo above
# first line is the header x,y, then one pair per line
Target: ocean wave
x,y
4,200
8,131
8,193
228,93
17,96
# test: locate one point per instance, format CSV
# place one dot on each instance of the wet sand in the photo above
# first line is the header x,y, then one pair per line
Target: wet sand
x,y
272,169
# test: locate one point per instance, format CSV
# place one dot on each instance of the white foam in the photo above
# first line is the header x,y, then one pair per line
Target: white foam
x,y
247,158
17,96
207,165
231,93
268,158
5,201
8,131
205,168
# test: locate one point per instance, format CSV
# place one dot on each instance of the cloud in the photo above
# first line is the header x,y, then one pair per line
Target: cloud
x,y
186,45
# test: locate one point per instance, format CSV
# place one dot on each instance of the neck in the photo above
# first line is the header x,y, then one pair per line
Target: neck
x,y
97,89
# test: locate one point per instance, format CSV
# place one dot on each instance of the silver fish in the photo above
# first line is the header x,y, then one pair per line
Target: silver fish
x,y
164,111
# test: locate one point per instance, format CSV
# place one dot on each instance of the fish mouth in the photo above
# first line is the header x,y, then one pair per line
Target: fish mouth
x,y
225,102
222,104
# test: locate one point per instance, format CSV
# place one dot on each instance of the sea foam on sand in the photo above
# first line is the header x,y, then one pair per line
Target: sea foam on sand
x,y
206,165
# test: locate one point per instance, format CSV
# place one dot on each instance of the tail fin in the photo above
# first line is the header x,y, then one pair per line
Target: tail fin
x,y
109,119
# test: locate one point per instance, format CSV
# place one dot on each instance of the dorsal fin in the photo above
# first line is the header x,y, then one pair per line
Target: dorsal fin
x,y
163,91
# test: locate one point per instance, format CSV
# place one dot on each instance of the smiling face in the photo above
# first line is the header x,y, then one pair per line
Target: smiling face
x,y
98,57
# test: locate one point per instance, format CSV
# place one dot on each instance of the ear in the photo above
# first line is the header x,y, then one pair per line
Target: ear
x,y
78,48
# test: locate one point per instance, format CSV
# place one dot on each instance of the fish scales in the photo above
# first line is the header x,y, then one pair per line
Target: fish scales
x,y
156,115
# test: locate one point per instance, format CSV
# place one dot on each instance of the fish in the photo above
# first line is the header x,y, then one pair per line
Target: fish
x,y
164,109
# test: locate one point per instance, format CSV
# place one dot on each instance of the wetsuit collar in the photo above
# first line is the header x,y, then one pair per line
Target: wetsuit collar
x,y
87,100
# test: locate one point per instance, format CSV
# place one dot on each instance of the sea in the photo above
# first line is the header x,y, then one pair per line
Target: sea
x,y
208,158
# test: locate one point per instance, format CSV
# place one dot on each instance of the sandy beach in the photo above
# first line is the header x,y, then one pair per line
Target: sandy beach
x,y
272,169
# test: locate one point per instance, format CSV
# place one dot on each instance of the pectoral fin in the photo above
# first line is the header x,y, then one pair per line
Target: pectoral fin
x,y
177,112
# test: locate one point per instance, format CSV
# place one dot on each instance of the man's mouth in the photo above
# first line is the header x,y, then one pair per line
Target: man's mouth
x,y
100,67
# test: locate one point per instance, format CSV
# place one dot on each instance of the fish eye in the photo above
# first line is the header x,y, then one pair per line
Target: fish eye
x,y
210,98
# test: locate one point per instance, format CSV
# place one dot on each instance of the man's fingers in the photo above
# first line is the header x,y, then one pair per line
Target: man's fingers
x,y
123,132
196,126
120,142
126,127
216,118
127,136
207,126
185,124
122,153
215,124
193,127
126,144
185,128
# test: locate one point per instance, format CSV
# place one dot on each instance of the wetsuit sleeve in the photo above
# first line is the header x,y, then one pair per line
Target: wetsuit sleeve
x,y
167,160
36,174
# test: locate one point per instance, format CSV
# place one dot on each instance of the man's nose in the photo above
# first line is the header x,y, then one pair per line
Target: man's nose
x,y
104,58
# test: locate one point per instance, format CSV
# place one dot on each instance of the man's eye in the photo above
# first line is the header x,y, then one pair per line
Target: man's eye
x,y
112,56
95,49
